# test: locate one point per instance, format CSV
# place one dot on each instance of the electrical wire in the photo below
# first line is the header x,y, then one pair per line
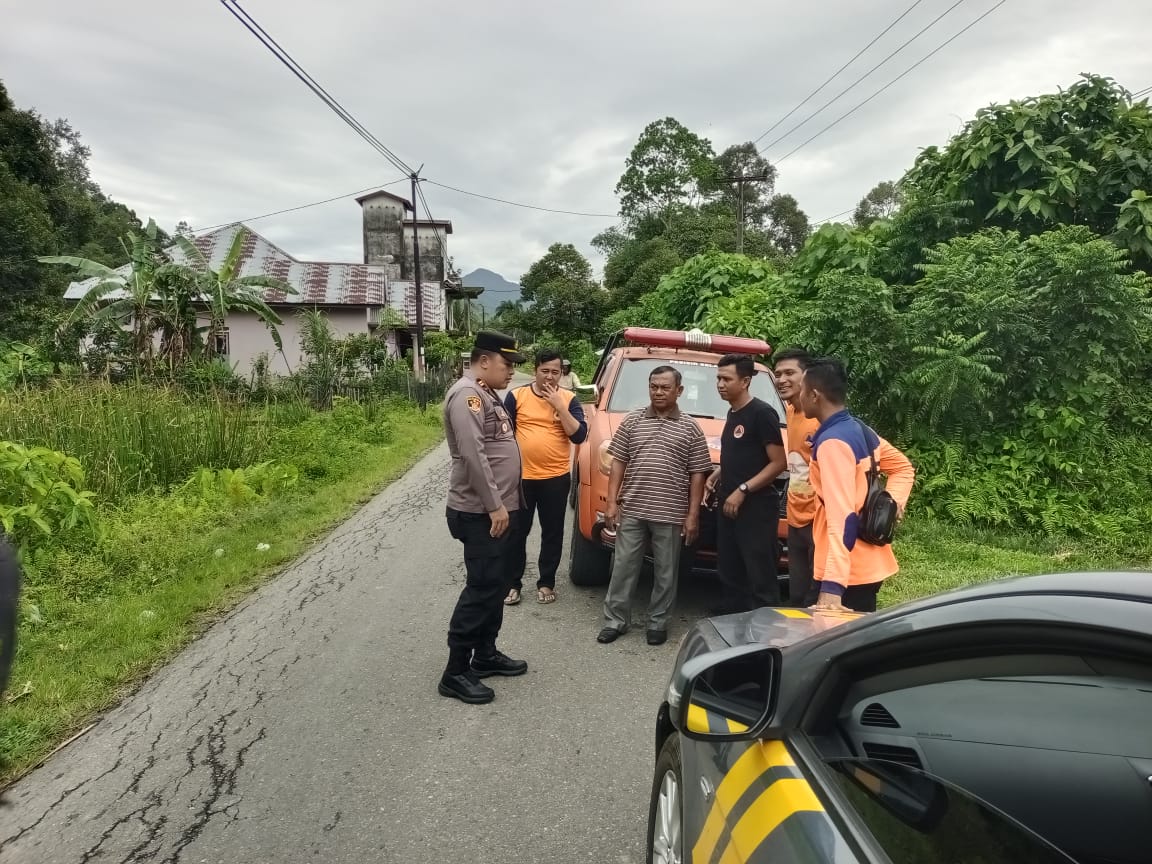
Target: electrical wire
x,y
302,206
250,24
853,110
837,216
833,76
521,204
855,83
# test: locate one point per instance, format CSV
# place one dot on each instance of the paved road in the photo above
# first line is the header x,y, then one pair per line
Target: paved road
x,y
306,726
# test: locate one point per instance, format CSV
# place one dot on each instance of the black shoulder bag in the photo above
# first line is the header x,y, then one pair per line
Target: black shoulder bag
x,y
880,513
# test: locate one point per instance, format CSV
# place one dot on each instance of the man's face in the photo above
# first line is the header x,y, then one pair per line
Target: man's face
x,y
729,384
495,371
809,399
548,375
789,378
663,391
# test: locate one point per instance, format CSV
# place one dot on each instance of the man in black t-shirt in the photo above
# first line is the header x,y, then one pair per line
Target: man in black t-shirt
x,y
751,458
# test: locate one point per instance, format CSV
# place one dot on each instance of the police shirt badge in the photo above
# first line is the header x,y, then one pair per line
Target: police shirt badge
x,y
474,404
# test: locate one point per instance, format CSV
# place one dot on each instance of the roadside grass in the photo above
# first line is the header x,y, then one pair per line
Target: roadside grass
x,y
80,652
937,556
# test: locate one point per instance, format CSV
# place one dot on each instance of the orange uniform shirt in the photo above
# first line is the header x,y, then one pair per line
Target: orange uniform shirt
x,y
545,448
839,474
801,496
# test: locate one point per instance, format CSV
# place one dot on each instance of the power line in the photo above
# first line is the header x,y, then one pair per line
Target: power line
x,y
853,85
302,206
837,216
852,111
521,204
250,24
1146,91
832,77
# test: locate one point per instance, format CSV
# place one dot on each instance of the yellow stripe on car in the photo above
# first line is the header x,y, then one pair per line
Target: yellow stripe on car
x,y
794,613
753,762
776,803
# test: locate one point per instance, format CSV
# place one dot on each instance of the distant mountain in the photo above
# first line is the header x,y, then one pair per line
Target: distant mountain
x,y
497,289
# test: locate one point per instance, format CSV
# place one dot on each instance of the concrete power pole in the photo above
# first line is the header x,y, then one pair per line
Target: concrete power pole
x,y
418,341
741,180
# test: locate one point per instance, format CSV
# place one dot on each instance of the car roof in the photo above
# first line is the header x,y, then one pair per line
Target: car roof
x,y
1115,584
657,352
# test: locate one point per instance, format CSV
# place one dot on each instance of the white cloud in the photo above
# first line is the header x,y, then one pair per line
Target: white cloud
x,y
189,118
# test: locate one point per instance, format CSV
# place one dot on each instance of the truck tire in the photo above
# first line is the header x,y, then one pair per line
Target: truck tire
x,y
589,563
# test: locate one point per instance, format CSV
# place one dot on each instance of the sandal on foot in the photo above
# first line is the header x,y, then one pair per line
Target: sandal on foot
x,y
545,595
513,598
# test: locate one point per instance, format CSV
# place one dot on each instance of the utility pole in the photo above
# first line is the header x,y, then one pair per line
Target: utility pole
x,y
418,342
741,179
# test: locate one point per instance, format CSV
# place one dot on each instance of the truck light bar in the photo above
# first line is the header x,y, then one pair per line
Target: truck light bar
x,y
696,340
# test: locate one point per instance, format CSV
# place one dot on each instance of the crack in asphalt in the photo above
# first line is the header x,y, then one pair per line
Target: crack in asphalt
x,y
214,701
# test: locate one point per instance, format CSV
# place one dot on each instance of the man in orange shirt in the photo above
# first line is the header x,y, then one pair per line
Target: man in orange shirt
x,y
548,421
789,365
849,571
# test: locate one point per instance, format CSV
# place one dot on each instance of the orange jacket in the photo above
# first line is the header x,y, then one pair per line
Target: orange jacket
x,y
801,496
839,474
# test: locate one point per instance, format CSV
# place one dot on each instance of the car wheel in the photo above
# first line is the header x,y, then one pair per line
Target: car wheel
x,y
588,563
666,812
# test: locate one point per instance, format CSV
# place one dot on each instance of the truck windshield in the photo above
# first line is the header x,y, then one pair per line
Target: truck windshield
x,y
699,399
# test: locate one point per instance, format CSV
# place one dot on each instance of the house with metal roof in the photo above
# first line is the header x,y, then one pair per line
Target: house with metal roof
x,y
376,296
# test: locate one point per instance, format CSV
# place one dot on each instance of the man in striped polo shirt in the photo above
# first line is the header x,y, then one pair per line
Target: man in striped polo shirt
x,y
660,461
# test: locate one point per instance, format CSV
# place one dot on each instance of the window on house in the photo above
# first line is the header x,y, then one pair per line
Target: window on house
x,y
222,343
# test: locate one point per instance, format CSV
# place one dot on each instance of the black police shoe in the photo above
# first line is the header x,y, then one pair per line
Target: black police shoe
x,y
497,664
608,634
465,687
657,637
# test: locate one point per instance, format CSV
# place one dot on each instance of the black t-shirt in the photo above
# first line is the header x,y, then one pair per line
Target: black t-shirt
x,y
743,454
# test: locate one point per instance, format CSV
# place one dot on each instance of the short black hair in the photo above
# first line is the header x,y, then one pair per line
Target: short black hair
x,y
546,355
664,370
827,374
745,365
801,355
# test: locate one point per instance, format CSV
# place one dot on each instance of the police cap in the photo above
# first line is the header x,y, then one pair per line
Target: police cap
x,y
498,343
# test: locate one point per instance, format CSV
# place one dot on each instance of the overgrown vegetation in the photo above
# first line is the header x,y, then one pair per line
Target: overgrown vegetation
x,y
991,306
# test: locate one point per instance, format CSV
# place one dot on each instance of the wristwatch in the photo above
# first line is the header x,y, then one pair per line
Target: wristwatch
x,y
743,487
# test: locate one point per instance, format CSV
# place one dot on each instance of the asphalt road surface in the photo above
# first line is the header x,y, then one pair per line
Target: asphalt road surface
x,y
306,726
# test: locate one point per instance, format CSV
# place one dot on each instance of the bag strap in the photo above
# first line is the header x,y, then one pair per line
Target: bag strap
x,y
874,471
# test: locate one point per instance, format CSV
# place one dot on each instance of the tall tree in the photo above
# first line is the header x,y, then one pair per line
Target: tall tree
x,y
881,202
666,169
751,197
566,302
788,226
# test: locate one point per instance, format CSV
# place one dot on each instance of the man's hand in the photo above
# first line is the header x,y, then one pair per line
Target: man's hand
x,y
732,503
829,602
612,517
711,483
691,529
555,398
499,522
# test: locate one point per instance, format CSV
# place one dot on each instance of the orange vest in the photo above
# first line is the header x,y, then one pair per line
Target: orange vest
x,y
801,496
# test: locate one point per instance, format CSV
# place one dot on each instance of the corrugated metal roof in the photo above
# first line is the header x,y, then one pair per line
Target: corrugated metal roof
x,y
316,283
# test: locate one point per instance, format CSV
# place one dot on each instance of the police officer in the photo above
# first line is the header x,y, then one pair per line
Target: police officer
x,y
483,505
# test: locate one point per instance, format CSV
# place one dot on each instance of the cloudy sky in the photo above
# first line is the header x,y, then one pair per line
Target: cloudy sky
x,y
188,117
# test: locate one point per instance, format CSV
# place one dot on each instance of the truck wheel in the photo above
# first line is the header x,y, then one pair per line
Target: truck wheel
x,y
589,564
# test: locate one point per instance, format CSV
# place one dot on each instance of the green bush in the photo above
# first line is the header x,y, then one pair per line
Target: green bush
x,y
42,495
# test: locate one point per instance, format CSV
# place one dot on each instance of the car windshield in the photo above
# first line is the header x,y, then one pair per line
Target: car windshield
x,y
700,398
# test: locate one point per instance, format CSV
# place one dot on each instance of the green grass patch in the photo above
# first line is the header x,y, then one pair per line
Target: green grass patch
x,y
937,556
97,618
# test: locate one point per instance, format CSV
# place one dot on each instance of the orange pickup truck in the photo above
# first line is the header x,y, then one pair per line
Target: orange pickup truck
x,y
620,385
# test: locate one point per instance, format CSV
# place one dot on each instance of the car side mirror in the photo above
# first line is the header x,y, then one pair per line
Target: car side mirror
x,y
727,694
588,393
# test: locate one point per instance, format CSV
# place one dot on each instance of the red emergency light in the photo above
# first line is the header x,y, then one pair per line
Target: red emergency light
x,y
696,340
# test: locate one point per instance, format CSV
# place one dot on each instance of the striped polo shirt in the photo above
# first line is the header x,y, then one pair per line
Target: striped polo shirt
x,y
661,454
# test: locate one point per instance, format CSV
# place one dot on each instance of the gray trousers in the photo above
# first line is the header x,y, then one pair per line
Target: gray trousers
x,y
631,538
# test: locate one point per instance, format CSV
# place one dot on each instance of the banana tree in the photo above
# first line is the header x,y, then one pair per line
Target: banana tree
x,y
226,291
125,299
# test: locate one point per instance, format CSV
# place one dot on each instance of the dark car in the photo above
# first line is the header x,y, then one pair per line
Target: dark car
x,y
1008,722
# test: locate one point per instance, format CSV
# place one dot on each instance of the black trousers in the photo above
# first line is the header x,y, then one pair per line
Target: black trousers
x,y
861,598
550,499
479,612
746,553
802,588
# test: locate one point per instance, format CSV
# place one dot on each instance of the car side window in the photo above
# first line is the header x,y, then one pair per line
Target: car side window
x,y
920,819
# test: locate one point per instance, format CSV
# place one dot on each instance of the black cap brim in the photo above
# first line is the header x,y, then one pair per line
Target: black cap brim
x,y
513,356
